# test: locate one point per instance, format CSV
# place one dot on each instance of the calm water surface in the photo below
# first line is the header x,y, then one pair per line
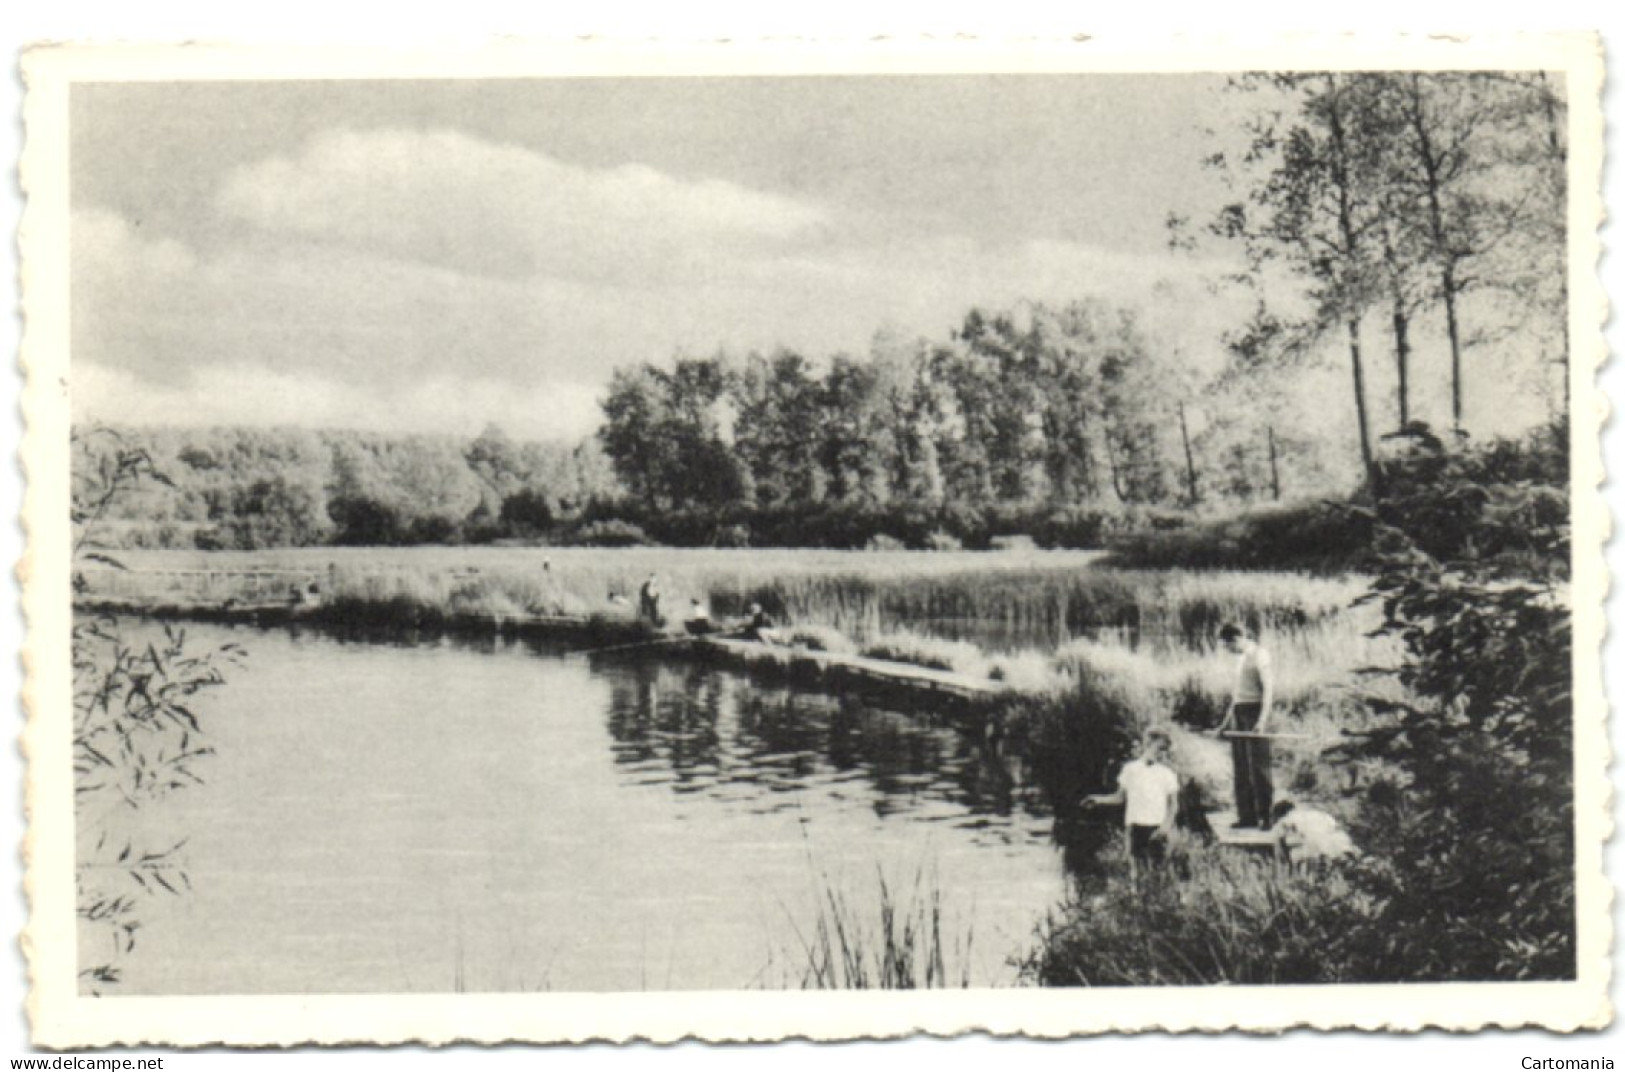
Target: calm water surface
x,y
443,815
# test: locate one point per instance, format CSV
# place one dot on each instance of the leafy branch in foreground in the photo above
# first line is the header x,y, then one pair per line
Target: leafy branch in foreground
x,y
136,735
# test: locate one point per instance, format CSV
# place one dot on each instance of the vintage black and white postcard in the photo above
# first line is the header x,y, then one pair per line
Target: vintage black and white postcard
x,y
606,540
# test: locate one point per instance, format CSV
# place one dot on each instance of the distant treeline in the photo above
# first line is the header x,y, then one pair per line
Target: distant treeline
x,y
250,488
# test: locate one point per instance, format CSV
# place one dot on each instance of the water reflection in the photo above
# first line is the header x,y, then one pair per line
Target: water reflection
x,y
695,728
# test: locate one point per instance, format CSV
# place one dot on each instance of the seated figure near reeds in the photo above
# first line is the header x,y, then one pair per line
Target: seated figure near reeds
x,y
1309,834
759,626
1246,724
1148,789
697,622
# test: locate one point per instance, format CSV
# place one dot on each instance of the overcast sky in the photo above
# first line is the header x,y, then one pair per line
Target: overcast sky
x,y
435,255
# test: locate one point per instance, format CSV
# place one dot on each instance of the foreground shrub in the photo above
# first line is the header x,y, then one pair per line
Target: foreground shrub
x,y
1206,916
1475,830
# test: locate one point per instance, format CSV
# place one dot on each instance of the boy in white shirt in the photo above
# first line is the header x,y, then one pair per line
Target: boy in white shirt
x,y
1148,789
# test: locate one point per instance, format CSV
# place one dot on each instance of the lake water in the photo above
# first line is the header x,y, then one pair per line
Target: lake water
x,y
443,815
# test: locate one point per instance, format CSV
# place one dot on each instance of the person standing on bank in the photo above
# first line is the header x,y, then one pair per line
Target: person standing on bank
x,y
1148,789
1246,723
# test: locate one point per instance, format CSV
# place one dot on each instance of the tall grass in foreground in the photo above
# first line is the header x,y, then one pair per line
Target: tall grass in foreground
x,y
1202,918
896,941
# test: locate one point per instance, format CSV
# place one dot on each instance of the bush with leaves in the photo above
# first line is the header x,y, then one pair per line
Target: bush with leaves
x,y
1470,844
1201,918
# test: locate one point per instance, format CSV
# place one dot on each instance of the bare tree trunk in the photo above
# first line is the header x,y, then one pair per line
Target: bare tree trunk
x,y
1275,471
1190,461
1431,165
1351,251
1366,454
1453,329
1554,145
1402,358
1111,459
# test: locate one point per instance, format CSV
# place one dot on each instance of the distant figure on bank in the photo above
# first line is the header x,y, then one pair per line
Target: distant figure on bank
x,y
1246,723
649,600
698,620
760,626
1148,789
1309,833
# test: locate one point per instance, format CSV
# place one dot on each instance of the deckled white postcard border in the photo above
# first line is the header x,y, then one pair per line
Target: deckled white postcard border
x,y
62,1018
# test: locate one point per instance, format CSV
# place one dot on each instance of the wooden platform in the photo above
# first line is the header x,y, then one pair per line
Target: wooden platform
x,y
835,667
1250,838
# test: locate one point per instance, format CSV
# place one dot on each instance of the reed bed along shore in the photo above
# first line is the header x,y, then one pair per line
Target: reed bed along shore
x,y
1147,637
1037,597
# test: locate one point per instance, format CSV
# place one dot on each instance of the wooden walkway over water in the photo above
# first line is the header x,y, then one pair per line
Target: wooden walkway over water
x,y
839,668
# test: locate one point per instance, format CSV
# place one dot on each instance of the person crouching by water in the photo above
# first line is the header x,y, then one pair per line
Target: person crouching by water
x,y
649,600
1246,724
759,626
1306,834
1148,789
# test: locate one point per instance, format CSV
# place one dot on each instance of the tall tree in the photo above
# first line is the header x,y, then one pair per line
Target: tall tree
x,y
858,437
1313,209
779,428
916,407
636,408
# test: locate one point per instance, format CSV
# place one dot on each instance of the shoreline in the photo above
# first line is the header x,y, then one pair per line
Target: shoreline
x,y
794,664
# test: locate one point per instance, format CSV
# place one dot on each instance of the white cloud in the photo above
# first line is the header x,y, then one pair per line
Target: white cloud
x,y
446,199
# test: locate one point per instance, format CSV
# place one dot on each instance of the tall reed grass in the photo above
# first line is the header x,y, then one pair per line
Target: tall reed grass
x,y
895,941
1044,596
